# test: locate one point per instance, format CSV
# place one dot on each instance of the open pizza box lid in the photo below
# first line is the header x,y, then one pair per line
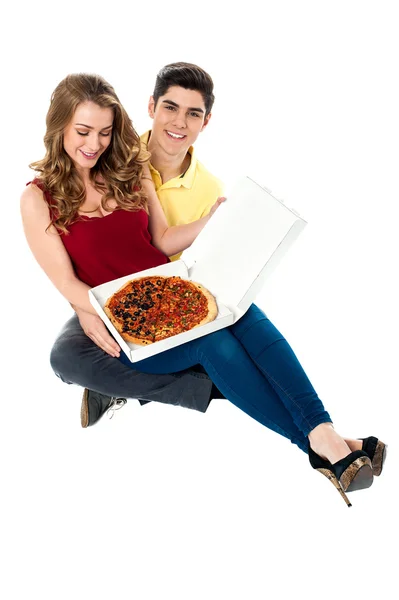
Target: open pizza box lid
x,y
232,256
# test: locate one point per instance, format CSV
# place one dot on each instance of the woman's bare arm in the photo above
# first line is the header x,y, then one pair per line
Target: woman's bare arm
x,y
49,250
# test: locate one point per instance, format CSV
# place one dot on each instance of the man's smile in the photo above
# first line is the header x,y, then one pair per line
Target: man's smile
x,y
175,136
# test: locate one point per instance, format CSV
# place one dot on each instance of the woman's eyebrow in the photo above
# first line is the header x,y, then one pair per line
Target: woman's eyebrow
x,y
89,127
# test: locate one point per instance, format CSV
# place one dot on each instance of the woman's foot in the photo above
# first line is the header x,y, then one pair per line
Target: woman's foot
x,y
326,442
354,444
349,470
329,445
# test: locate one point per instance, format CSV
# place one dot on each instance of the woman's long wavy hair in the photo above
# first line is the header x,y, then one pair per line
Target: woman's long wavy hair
x,y
117,173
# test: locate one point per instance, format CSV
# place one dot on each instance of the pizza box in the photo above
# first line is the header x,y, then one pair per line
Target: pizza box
x,y
236,251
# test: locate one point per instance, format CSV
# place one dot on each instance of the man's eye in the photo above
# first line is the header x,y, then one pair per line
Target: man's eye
x,y
194,114
81,133
170,107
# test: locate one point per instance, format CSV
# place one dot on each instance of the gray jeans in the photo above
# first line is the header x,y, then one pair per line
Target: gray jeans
x,y
76,359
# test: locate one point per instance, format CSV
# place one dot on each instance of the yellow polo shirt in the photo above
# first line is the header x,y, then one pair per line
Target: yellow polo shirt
x,y
187,197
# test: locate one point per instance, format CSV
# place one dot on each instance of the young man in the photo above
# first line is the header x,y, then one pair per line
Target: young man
x,y
180,108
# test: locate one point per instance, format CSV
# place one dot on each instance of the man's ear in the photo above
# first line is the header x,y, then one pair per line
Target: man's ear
x,y
151,107
206,121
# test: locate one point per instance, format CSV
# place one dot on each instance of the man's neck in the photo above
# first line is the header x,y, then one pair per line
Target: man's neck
x,y
168,166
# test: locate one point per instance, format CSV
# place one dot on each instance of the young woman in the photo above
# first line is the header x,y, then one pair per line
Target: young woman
x,y
92,215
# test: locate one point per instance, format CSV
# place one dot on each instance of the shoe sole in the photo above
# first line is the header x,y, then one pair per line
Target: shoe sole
x,y
363,479
84,410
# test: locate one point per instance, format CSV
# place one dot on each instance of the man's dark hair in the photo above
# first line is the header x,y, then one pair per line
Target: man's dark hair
x,y
188,76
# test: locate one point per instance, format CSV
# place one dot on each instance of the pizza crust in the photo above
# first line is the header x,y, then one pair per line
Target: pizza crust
x,y
133,340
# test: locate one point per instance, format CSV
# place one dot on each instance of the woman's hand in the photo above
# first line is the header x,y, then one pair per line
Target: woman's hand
x,y
216,205
95,329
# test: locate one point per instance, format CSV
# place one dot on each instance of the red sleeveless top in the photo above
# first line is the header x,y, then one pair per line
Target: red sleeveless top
x,y
105,248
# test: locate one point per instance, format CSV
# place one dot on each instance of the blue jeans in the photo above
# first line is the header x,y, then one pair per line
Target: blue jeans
x,y
254,367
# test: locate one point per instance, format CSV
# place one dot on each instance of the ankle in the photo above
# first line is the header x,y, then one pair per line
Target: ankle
x,y
320,435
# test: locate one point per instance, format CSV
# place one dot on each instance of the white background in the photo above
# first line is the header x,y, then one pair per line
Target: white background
x,y
166,503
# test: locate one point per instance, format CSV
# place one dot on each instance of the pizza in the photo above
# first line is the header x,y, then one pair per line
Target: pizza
x,y
150,309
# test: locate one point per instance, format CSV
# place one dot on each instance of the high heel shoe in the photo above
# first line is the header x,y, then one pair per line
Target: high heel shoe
x,y
376,451
351,473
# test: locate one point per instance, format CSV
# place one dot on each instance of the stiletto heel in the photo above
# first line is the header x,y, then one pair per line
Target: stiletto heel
x,y
354,472
376,451
330,475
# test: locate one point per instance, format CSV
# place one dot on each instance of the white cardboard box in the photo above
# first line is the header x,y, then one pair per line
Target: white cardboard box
x,y
238,248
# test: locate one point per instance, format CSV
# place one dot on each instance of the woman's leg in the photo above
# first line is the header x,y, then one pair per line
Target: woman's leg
x,y
275,358
235,374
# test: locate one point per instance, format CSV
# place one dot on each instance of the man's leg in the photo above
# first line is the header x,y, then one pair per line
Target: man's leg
x,y
76,359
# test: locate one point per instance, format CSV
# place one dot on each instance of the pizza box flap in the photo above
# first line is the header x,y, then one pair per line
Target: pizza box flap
x,y
242,243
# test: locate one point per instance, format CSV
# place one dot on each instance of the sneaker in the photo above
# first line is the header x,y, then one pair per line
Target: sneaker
x,y
95,405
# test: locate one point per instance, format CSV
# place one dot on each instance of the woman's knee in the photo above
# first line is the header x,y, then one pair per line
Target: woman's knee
x,y
255,328
221,343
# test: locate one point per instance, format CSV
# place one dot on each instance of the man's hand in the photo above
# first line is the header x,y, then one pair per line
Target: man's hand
x,y
95,329
216,205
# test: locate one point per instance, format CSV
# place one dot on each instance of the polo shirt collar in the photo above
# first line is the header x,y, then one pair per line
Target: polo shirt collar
x,y
186,179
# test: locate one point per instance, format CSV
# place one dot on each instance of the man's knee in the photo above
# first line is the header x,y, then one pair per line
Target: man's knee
x,y
63,357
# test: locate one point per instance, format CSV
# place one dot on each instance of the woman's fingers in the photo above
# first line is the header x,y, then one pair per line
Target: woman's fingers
x,y
110,348
100,336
